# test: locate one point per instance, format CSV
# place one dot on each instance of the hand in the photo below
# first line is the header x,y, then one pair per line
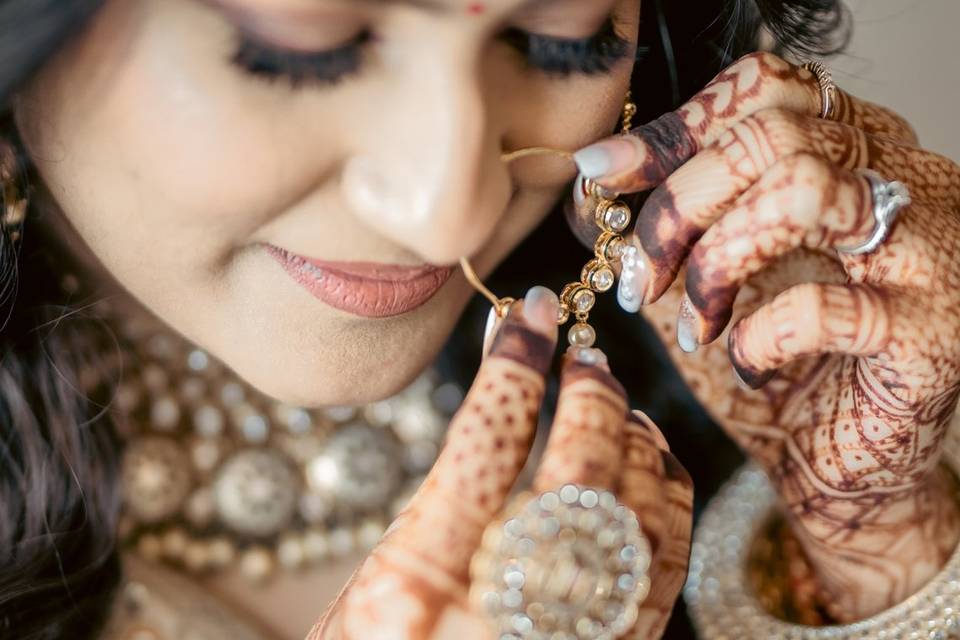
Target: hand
x,y
414,584
856,357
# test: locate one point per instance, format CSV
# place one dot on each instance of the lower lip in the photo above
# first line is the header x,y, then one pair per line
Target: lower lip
x,y
364,289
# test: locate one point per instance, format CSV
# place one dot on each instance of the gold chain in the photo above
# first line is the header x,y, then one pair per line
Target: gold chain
x,y
597,276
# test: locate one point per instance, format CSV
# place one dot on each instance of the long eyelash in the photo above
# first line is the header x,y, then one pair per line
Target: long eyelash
x,y
298,67
594,55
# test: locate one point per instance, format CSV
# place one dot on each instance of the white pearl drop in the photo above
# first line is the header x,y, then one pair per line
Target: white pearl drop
x,y
582,335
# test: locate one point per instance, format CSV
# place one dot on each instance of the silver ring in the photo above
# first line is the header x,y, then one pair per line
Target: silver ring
x,y
572,563
828,88
889,197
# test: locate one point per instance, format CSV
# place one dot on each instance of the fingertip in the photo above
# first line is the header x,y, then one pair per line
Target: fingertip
x,y
580,363
604,158
751,378
689,326
542,309
608,161
674,470
640,418
519,340
590,357
747,376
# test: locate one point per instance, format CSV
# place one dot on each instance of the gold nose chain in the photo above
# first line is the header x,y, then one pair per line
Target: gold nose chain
x,y
612,216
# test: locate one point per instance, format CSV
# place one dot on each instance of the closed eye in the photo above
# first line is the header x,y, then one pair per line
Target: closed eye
x,y
559,57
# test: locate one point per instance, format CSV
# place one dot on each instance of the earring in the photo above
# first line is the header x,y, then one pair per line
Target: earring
x,y
613,216
14,203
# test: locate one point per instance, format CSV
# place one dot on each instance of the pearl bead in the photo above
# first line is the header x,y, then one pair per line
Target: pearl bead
x,y
150,547
341,542
222,552
582,335
290,552
198,360
231,394
316,545
196,556
208,421
165,413
174,543
369,534
257,563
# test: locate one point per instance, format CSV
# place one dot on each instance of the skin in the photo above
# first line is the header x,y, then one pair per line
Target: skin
x,y
167,165
415,583
164,166
854,358
126,123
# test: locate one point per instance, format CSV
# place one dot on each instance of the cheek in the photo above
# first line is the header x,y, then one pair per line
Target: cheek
x,y
149,145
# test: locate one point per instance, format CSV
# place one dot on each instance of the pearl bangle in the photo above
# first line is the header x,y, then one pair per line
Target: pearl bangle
x,y
723,606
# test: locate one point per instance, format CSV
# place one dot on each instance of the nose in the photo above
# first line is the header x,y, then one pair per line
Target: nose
x,y
431,178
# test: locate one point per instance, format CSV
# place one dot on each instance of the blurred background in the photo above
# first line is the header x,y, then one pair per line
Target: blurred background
x,y
904,55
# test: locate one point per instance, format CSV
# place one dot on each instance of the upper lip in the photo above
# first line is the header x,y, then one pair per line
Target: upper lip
x,y
375,271
369,289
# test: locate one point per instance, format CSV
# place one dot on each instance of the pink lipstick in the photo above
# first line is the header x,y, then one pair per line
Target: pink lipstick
x,y
367,289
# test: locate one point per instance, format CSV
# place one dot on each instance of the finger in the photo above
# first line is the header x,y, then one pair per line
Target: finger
x,y
539,303
681,209
657,487
806,320
586,440
801,202
487,444
423,558
580,212
642,159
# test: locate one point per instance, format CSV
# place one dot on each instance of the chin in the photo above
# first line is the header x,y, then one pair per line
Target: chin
x,y
353,372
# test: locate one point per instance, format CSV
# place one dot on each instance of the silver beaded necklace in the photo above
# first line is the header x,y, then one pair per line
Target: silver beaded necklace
x,y
217,475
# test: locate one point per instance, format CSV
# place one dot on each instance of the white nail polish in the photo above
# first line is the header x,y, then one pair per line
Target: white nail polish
x,y
593,161
490,326
579,193
589,356
632,279
688,327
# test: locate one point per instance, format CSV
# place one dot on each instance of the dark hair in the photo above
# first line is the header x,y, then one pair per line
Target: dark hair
x,y
59,450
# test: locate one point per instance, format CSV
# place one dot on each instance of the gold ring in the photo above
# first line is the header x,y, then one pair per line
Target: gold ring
x,y
828,88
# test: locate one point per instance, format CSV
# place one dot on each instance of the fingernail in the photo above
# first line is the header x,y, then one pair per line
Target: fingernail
x,y
488,329
752,380
580,194
589,356
644,420
688,327
540,307
607,158
740,381
633,279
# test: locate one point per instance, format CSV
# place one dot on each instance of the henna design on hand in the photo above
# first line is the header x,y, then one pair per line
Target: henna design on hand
x,y
413,585
857,356
419,570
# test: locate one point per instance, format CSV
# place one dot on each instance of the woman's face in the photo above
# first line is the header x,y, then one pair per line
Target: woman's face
x,y
289,183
